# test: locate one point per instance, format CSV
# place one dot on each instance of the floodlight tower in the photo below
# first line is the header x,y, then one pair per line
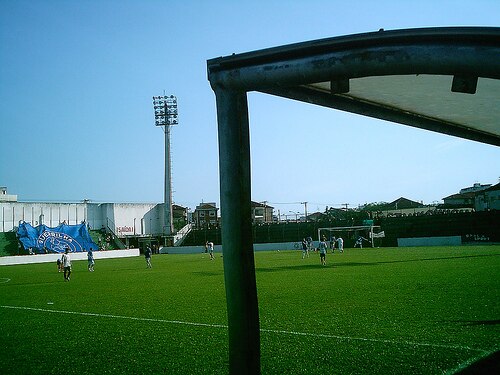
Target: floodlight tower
x,y
165,116
305,209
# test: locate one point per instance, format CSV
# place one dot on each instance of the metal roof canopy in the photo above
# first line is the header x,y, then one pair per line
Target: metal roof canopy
x,y
445,80
440,79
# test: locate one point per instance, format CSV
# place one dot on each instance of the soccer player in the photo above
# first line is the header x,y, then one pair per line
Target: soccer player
x,y
66,262
90,258
309,243
305,248
332,243
340,244
211,250
359,242
147,255
322,251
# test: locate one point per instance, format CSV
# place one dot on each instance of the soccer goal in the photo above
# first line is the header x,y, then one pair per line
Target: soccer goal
x,y
361,235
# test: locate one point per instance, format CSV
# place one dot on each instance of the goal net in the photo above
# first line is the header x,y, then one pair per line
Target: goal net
x,y
359,236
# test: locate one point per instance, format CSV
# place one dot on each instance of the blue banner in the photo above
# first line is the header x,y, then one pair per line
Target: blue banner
x,y
42,239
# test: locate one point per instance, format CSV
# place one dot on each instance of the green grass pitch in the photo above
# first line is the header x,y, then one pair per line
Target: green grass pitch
x,y
368,311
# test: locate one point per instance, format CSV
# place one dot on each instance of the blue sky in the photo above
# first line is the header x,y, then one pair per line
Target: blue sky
x,y
76,117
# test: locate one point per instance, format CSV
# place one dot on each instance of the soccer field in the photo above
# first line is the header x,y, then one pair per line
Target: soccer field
x,y
368,311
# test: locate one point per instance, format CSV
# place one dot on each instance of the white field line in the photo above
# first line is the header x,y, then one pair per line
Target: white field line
x,y
4,280
293,333
396,342
115,316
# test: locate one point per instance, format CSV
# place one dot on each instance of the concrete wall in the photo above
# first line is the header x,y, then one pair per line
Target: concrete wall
x,y
47,258
123,218
430,241
134,218
218,248
50,214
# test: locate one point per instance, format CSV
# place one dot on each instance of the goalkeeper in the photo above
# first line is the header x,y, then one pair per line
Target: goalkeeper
x,y
359,242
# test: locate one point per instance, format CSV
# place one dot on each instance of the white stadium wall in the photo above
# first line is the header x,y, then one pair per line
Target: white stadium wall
x,y
48,258
134,218
122,218
50,214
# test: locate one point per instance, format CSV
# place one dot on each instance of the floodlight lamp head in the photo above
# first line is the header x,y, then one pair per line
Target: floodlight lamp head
x,y
165,109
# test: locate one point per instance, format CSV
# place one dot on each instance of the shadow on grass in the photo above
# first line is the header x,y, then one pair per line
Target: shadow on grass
x,y
310,267
360,264
208,273
488,365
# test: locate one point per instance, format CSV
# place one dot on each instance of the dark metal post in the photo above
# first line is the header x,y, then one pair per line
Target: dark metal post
x,y
237,241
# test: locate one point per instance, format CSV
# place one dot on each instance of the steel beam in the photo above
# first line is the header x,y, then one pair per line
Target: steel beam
x,y
439,59
465,51
348,104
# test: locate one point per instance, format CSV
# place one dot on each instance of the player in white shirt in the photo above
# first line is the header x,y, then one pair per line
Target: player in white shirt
x,y
211,250
66,261
340,244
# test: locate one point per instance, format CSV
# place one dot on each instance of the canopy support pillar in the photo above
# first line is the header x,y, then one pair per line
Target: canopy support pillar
x,y
237,241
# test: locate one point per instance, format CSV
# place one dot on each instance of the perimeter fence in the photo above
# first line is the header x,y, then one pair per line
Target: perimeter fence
x,y
473,227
